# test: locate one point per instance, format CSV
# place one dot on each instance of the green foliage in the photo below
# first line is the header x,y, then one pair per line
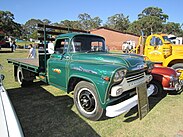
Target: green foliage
x,y
148,24
30,26
88,23
153,20
70,24
153,11
173,28
118,22
8,25
150,20
46,21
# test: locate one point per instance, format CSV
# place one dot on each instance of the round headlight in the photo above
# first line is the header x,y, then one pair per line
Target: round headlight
x,y
150,68
119,75
173,78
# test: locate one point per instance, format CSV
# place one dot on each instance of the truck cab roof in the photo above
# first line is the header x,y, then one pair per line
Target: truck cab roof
x,y
71,35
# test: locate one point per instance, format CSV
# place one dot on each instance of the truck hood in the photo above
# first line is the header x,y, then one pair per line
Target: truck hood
x,y
129,61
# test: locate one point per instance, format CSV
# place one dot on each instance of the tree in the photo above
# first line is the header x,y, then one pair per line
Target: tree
x,y
118,22
8,25
30,28
151,20
46,21
153,11
95,22
88,23
84,20
70,24
148,24
173,28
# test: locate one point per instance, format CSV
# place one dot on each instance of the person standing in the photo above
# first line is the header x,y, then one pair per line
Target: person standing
x,y
11,46
50,47
32,52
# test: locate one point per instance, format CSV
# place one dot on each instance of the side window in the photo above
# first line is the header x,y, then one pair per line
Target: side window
x,y
152,42
159,41
61,46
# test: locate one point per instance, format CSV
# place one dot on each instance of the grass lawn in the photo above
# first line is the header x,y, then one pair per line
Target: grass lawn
x,y
46,111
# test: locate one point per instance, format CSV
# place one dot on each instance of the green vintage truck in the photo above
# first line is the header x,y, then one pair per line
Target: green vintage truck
x,y
103,83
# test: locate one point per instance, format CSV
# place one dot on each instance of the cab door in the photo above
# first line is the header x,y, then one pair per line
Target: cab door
x,y
58,64
154,49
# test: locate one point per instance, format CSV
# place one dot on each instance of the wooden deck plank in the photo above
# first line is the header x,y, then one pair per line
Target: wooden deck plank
x,y
28,61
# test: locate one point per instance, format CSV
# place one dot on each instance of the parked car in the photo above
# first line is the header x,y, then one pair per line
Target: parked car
x,y
10,126
165,79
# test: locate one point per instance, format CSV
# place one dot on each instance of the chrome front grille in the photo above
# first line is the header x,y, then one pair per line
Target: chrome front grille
x,y
135,77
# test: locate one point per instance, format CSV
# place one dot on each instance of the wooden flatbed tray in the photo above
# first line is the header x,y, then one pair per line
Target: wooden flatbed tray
x,y
28,61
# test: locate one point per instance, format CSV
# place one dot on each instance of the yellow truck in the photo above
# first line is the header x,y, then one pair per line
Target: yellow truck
x,y
159,49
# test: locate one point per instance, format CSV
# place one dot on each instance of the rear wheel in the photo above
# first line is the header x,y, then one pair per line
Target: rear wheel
x,y
87,101
21,78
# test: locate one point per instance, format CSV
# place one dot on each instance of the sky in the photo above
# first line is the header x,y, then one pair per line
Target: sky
x,y
57,10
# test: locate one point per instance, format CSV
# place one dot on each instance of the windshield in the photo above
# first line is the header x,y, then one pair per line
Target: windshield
x,y
166,39
84,43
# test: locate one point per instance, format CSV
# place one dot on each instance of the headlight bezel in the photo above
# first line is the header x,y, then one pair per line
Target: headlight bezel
x,y
119,75
173,78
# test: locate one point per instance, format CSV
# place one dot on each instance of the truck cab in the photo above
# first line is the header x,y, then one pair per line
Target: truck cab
x,y
159,49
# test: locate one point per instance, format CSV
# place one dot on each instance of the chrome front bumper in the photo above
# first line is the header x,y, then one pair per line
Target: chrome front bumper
x,y
177,86
115,110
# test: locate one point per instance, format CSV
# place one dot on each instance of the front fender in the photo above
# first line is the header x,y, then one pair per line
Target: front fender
x,y
95,74
163,79
100,84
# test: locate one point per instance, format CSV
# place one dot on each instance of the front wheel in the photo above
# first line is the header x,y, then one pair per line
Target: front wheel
x,y
87,101
158,89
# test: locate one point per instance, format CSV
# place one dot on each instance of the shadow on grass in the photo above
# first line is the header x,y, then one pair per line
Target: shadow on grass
x,y
132,114
44,115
